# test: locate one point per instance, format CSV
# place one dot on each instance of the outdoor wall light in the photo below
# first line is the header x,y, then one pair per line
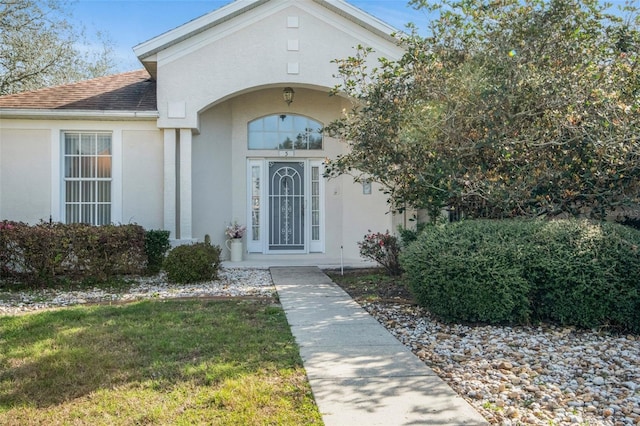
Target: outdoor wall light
x,y
287,94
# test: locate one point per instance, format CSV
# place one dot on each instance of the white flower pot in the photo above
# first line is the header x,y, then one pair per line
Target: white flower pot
x,y
235,247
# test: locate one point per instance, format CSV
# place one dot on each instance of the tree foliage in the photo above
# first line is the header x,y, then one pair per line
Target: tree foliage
x,y
508,108
39,47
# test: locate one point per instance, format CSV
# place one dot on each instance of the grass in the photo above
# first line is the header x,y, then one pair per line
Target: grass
x,y
373,286
153,362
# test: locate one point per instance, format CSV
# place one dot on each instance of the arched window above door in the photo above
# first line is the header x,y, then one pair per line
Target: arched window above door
x,y
285,131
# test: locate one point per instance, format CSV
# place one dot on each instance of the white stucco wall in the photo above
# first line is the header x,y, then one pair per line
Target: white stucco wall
x,y
213,186
254,50
31,169
142,176
25,174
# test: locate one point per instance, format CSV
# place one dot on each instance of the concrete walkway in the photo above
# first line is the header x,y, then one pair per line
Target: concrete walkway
x,y
359,373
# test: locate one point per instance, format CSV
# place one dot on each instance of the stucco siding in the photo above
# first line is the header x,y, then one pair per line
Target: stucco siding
x,y
253,51
214,187
25,175
220,155
142,174
363,213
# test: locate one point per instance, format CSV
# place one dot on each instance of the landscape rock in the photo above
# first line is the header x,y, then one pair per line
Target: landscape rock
x,y
536,375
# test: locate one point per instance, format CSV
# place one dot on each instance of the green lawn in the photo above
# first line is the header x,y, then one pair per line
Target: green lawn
x,y
153,362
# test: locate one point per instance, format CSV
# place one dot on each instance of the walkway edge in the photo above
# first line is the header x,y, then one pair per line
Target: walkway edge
x,y
359,373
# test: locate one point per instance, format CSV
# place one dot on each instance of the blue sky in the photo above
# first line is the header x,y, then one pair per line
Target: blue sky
x,y
130,22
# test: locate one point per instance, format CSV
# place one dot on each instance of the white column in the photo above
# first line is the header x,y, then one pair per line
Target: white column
x,y
185,185
116,176
170,182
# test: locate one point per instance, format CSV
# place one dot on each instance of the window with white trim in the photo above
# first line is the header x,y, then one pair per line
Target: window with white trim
x,y
285,132
87,177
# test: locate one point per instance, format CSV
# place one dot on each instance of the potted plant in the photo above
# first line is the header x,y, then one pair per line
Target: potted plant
x,y
235,232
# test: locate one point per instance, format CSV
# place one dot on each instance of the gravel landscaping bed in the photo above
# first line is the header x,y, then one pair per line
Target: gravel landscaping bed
x,y
231,283
512,375
526,375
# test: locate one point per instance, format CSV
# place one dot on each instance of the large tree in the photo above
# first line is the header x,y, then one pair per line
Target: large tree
x,y
507,108
39,47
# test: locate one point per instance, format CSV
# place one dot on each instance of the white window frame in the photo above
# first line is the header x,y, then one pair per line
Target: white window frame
x,y
279,133
115,190
315,246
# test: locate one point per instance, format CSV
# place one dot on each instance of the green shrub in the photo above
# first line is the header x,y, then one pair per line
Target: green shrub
x,y
469,271
572,272
156,245
586,274
101,252
383,249
35,254
192,263
43,254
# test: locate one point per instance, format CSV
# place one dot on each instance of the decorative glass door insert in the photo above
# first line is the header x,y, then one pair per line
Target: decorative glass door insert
x,y
286,206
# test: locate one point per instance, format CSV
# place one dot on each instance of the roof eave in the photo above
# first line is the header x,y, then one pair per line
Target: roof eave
x,y
151,47
360,17
69,114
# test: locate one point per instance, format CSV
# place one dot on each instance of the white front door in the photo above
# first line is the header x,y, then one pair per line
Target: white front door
x,y
286,213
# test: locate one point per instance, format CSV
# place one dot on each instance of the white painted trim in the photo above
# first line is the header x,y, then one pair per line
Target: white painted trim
x,y
57,179
318,247
256,246
191,30
58,195
170,181
199,39
186,217
359,16
262,245
375,29
150,47
69,114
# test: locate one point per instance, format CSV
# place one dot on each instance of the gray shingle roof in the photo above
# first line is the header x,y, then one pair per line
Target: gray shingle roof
x,y
129,91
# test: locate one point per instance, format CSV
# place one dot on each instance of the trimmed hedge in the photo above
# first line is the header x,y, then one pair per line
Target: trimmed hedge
x,y
193,263
43,254
571,272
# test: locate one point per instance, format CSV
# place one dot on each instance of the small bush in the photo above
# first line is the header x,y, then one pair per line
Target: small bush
x,y
192,263
156,245
383,249
571,272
